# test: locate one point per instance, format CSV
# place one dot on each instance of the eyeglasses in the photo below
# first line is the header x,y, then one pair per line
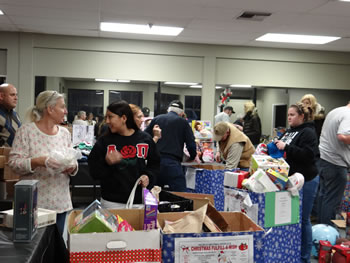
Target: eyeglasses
x,y
51,97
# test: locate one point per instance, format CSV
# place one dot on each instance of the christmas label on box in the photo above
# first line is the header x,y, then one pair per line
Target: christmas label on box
x,y
232,249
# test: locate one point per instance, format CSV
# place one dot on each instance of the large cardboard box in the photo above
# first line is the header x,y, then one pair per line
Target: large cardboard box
x,y
266,162
243,242
283,241
133,246
6,172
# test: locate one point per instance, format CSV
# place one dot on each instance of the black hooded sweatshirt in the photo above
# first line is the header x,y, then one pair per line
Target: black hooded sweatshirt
x,y
140,156
301,150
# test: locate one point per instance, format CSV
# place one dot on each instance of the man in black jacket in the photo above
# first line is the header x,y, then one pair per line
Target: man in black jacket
x,y
175,133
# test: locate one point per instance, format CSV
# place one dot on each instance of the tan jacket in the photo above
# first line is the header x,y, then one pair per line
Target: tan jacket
x,y
236,136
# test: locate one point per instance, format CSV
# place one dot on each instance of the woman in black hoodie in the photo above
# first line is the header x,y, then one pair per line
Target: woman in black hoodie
x,y
301,152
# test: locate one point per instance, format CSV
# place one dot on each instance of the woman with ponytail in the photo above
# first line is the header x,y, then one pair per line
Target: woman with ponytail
x,y
32,153
300,145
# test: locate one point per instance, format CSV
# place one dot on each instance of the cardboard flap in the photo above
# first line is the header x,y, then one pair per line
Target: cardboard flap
x,y
238,221
209,166
217,218
196,198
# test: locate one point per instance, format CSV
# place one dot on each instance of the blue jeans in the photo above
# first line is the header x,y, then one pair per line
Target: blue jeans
x,y
171,177
309,193
333,180
60,221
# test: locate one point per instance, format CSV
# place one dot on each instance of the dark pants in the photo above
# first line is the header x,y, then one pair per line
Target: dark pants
x,y
333,180
172,177
309,193
60,221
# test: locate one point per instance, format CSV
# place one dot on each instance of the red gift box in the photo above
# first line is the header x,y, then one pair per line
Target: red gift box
x,y
342,253
325,251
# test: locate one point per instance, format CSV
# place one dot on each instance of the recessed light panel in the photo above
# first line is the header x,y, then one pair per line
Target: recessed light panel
x,y
140,29
300,39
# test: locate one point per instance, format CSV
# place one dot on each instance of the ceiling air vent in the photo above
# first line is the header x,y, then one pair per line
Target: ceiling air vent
x,y
253,16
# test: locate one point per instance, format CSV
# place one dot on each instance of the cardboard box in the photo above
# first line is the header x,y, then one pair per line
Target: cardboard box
x,y
25,210
6,172
45,217
243,242
133,246
198,199
266,162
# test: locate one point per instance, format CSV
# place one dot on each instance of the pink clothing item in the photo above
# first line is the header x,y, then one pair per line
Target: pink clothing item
x,y
30,142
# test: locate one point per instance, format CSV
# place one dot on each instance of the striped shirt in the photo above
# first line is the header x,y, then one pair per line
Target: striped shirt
x,y
9,123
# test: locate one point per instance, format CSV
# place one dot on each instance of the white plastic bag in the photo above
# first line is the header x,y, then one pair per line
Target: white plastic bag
x,y
60,160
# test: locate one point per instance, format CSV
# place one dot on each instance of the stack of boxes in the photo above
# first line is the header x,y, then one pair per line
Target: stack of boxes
x,y
7,177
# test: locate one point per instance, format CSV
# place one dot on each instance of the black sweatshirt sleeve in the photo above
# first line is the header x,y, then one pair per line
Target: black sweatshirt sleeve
x,y
152,164
98,166
304,149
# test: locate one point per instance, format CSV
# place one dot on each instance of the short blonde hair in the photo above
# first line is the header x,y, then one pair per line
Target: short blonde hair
x,y
45,99
249,106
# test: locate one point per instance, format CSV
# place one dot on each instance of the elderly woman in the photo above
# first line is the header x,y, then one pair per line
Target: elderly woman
x,y
81,118
234,146
33,148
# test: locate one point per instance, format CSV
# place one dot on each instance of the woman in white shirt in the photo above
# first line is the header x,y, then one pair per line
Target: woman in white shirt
x,y
33,148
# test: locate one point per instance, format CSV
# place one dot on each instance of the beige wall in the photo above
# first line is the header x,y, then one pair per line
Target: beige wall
x,y
28,55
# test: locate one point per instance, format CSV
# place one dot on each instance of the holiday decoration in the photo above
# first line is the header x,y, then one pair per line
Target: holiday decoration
x,y
225,96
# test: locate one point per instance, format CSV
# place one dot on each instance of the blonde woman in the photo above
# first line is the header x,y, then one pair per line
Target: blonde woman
x,y
318,115
252,123
33,145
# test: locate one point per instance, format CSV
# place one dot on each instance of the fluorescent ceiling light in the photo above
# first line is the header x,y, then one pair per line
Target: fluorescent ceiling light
x,y
106,80
1,13
113,80
218,87
140,29
301,39
344,0
196,86
180,83
240,86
